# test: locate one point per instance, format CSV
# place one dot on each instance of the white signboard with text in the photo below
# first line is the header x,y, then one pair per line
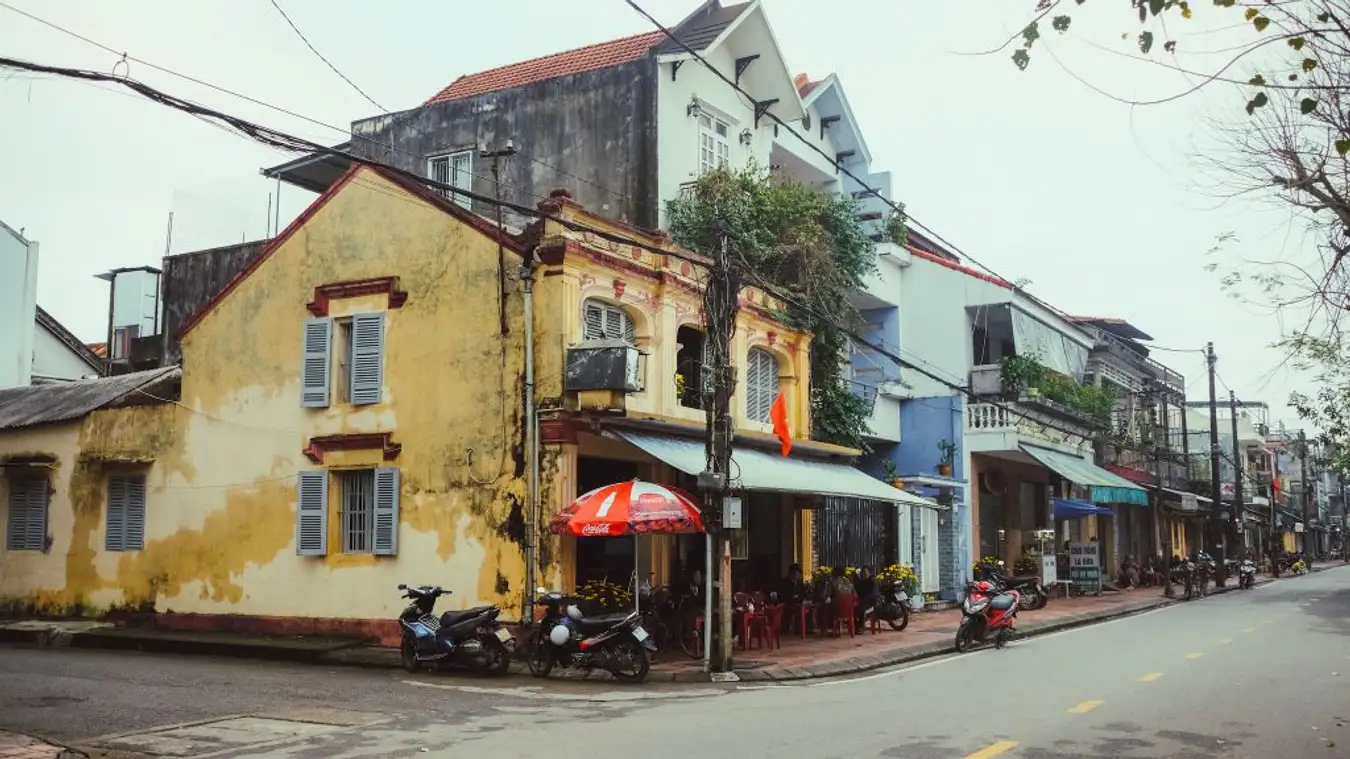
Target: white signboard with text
x,y
1049,569
1085,568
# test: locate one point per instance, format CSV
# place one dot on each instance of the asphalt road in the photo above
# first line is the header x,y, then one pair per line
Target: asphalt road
x,y
1261,673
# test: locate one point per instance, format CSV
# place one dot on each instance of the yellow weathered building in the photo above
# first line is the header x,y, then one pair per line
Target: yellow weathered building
x,y
351,416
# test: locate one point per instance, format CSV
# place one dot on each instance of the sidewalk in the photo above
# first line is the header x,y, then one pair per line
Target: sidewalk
x,y
929,634
19,746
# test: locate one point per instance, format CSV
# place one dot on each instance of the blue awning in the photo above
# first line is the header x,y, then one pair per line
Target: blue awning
x,y
760,470
1067,508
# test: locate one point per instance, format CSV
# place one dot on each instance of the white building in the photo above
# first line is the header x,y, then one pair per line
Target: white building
x,y
34,347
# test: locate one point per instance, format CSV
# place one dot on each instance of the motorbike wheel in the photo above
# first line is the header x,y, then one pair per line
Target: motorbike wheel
x,y
903,621
539,656
1001,639
499,659
1043,599
963,639
633,652
408,654
691,643
1028,599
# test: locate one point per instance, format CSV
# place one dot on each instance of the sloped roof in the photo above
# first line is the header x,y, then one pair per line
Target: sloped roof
x,y
60,402
76,346
487,228
99,349
1115,325
698,30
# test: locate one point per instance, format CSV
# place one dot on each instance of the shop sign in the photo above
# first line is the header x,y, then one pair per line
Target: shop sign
x,y
1049,569
1085,569
1189,502
1298,527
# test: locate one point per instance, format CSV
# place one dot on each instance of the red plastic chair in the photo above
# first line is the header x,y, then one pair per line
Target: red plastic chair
x,y
770,632
844,606
755,619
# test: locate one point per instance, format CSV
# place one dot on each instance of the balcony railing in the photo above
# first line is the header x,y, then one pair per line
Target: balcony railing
x,y
1021,422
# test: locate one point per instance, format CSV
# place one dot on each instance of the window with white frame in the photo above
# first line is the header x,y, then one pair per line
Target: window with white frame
x,y
455,169
606,321
714,143
761,385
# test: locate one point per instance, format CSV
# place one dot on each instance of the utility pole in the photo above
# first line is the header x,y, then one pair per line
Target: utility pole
x,y
1304,490
1216,491
496,157
1237,467
1186,464
1158,443
721,301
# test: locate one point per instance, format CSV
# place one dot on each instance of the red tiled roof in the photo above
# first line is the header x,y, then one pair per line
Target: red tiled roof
x,y
1137,476
99,349
940,261
589,58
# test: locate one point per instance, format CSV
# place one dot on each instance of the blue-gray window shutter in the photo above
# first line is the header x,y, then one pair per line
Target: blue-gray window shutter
x,y
135,529
317,364
114,538
367,358
27,527
386,512
311,514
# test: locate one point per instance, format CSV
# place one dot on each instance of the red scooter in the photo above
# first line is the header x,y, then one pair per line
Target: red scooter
x,y
985,612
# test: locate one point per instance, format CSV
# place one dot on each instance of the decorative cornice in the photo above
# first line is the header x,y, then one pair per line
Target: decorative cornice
x,y
361,441
323,294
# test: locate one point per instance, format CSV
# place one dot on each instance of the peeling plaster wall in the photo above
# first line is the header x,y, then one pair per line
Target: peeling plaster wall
x,y
220,531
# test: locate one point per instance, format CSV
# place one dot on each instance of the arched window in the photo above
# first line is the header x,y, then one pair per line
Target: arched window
x,y
605,321
761,384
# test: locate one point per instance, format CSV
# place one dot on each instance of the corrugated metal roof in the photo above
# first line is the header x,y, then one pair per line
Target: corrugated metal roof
x,y
759,470
46,404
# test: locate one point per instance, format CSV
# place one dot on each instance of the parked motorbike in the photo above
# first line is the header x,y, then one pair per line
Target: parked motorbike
x,y
1204,570
986,611
616,643
892,607
1184,574
471,638
1031,594
1246,573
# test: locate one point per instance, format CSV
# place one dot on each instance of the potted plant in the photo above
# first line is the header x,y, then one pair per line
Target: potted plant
x,y
947,455
890,475
1019,374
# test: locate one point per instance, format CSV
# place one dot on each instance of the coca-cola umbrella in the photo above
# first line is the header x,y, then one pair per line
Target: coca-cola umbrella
x,y
632,508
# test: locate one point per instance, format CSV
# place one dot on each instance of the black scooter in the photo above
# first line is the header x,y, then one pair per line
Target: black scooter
x,y
1246,573
472,638
1031,594
616,643
892,607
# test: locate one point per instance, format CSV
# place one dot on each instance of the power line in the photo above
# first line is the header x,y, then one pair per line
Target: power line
x,y
321,57
277,138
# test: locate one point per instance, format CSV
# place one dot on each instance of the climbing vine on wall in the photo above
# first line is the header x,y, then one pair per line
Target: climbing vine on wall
x,y
806,244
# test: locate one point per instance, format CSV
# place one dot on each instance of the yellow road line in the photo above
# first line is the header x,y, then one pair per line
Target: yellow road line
x,y
1194,656
1225,640
1150,677
1249,629
992,750
1085,707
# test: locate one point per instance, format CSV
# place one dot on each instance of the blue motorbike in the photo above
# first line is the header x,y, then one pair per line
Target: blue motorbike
x,y
470,638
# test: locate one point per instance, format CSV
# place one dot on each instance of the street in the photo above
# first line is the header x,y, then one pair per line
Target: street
x,y
1259,673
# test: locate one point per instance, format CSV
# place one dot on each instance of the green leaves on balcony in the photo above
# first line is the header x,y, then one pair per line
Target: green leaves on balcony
x,y
1019,374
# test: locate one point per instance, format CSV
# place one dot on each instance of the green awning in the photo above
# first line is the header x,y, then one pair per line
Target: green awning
x,y
1105,487
1288,518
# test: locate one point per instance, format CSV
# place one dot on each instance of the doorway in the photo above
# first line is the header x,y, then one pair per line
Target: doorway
x,y
607,559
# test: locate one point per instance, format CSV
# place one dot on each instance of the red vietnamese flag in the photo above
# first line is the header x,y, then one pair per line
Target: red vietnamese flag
x,y
778,413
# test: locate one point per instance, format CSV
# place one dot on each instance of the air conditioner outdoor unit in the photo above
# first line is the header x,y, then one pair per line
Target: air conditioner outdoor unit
x,y
604,365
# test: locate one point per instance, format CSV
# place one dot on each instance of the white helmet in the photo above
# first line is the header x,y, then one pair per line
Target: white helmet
x,y
574,612
559,635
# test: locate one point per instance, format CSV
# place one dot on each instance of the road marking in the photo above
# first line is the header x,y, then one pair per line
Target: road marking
x,y
891,672
1150,677
539,694
1249,629
992,750
1196,655
1085,707
1266,621
1225,640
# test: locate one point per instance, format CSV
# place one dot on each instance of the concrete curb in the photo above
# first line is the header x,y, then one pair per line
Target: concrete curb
x,y
48,748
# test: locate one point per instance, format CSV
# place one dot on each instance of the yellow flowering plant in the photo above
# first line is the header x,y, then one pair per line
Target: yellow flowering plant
x,y
985,565
604,596
900,576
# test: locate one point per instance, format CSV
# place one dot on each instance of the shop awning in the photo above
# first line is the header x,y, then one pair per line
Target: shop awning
x,y
1068,508
1104,486
760,470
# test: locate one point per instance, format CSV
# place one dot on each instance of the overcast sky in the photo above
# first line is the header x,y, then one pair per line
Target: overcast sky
x,y
1031,173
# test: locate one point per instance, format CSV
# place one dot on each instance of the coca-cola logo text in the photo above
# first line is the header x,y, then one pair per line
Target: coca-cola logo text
x,y
595,529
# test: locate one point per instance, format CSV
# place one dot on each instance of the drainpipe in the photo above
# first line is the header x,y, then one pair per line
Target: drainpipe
x,y
531,444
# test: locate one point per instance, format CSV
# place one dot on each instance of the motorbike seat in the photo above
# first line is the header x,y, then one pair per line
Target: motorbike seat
x,y
451,618
1003,601
601,622
1020,579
